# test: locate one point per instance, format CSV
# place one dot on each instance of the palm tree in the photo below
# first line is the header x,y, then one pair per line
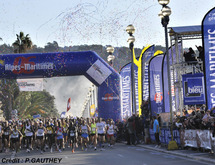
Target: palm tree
x,y
22,43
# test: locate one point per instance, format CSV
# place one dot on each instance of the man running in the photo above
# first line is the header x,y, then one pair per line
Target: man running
x,y
72,132
29,135
59,134
6,134
50,135
40,134
15,137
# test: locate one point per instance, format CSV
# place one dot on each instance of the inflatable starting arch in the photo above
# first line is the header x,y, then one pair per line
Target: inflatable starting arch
x,y
86,63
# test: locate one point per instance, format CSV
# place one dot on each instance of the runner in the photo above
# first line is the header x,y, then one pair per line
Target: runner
x,y
40,134
59,135
93,133
84,135
29,135
110,133
50,135
101,129
15,137
65,135
6,134
1,133
72,132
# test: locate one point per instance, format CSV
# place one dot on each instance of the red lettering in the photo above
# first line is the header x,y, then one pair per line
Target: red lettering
x,y
22,61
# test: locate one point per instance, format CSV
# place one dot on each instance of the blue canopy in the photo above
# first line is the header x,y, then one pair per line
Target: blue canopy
x,y
185,30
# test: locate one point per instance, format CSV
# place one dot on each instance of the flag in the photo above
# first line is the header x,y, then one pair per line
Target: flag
x,y
68,104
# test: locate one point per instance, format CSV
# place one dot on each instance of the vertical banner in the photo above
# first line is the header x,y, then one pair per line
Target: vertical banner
x,y
126,91
145,72
208,37
156,86
193,89
173,77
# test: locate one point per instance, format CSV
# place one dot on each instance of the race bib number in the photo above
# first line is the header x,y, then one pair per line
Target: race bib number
x,y
6,133
49,132
72,134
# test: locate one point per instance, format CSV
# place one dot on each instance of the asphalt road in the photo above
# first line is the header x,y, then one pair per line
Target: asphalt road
x,y
120,154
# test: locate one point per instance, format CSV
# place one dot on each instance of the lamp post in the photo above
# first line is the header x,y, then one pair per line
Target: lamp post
x,y
164,14
110,57
130,30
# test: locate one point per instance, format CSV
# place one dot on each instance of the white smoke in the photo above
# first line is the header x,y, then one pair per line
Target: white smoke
x,y
62,88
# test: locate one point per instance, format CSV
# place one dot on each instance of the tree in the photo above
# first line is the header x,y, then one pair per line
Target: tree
x,y
22,43
51,47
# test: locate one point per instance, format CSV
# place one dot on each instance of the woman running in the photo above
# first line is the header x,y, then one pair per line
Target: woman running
x,y
50,135
93,133
110,133
40,134
84,135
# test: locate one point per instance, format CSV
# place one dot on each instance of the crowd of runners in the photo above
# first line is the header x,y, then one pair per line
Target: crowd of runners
x,y
56,134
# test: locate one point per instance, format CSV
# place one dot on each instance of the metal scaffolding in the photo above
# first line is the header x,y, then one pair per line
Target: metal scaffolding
x,y
178,35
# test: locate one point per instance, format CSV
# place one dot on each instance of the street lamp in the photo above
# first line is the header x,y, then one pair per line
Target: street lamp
x,y
110,57
164,15
130,30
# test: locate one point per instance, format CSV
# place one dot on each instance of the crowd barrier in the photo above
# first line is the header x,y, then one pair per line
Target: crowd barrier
x,y
186,138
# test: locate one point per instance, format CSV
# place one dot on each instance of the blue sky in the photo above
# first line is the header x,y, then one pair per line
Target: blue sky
x,y
76,22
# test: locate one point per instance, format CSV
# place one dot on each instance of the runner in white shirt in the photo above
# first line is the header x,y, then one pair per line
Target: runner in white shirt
x,y
101,129
40,134
29,135
110,133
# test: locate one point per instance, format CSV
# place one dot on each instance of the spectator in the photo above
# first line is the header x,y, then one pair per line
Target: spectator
x,y
201,52
156,130
190,56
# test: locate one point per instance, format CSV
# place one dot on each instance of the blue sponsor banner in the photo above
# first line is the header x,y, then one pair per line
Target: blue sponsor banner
x,y
193,89
156,86
173,78
126,91
145,71
208,37
36,116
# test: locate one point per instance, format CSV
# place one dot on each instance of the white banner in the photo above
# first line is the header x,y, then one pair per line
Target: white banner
x,y
99,72
204,138
30,84
190,138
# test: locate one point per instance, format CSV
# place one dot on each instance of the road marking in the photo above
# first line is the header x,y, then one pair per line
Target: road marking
x,y
140,149
120,155
155,153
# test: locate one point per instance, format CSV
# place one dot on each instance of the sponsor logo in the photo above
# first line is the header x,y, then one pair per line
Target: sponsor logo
x,y
26,66
110,97
194,91
211,17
